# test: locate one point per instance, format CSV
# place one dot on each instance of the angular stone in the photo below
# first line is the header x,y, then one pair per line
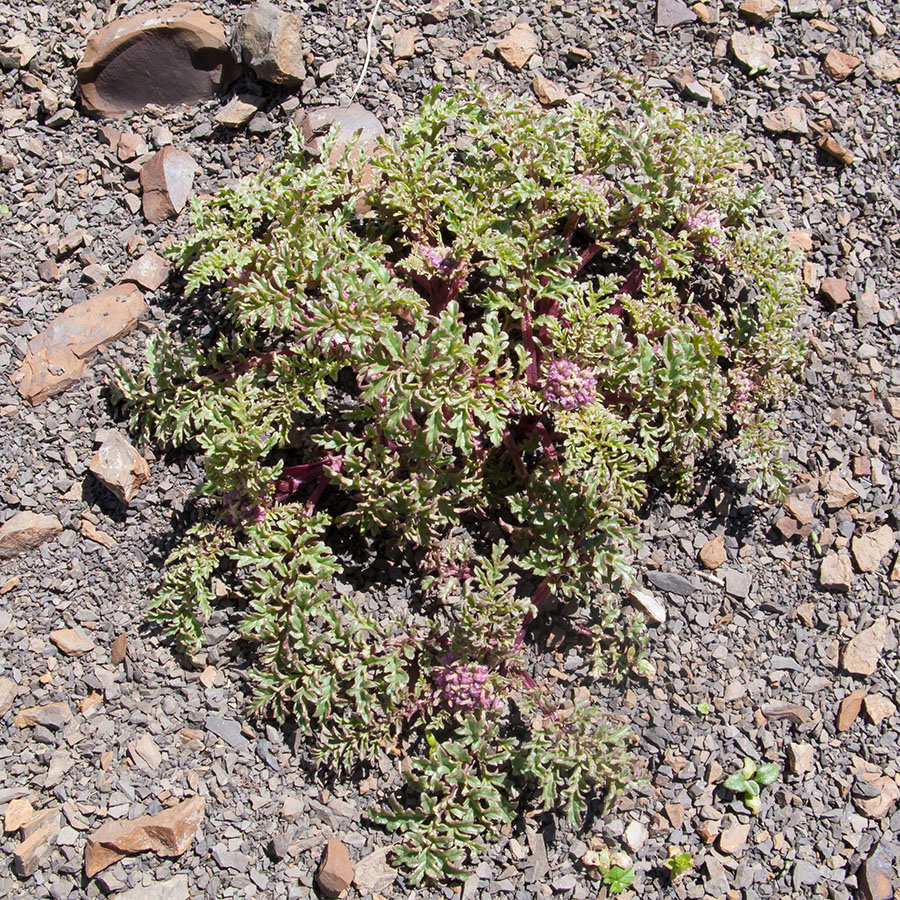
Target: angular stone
x,y
547,92
800,757
849,709
870,549
793,712
649,605
60,763
874,876
240,110
373,874
802,510
835,150
759,12
713,553
270,41
119,467
171,56
836,573
788,120
884,65
177,888
229,731
145,753
671,13
130,146
353,122
18,813
52,715
292,808
166,182
733,839
636,834
118,650
672,583
518,46
72,641
753,53
862,653
8,692
840,65
878,708
803,9
838,492
868,306
335,872
881,795
168,834
150,271
35,850
405,43
25,531
58,356
40,819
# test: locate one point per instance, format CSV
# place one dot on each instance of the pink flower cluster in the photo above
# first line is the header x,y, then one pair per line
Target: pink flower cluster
x,y
433,256
461,685
707,225
569,385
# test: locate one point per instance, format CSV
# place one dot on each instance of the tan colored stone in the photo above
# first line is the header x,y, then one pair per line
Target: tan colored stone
x,y
802,510
835,149
119,467
518,46
167,179
862,653
93,533
170,56
373,875
8,692
240,110
335,872
405,43
271,42
879,806
870,549
58,356
548,93
708,831
759,12
733,839
787,120
150,271
18,813
878,708
884,65
836,572
41,819
849,709
35,850
25,531
753,53
168,834
72,641
145,753
52,715
118,650
834,290
840,65
799,240
713,553
800,758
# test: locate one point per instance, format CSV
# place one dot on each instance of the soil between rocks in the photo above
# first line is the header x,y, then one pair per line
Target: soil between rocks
x,y
759,634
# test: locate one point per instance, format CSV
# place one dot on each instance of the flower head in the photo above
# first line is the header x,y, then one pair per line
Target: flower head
x,y
570,385
705,225
460,685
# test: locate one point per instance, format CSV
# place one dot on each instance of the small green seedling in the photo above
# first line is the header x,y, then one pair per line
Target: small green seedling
x,y
678,863
749,781
4,211
704,708
615,868
618,879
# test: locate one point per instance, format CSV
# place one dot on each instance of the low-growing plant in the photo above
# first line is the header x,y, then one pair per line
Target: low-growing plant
x,y
679,862
477,369
749,781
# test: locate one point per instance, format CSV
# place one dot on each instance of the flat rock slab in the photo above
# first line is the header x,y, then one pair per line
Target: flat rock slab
x,y
672,583
72,641
671,13
353,122
57,357
51,715
862,653
177,55
150,271
753,53
177,888
25,531
168,834
517,47
335,872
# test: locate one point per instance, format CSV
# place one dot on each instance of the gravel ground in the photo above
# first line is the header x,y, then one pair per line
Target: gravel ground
x,y
749,662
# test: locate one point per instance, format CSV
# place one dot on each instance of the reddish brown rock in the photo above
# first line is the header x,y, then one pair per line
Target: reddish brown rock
x,y
835,150
175,55
150,271
168,834
671,13
58,356
788,120
713,553
25,531
884,794
840,65
874,877
35,850
119,467
51,715
18,813
118,650
240,110
732,841
862,653
166,182
884,65
72,641
836,573
335,872
353,122
834,290
849,710
9,690
405,43
548,94
518,46
878,708
870,549
271,42
753,53
759,12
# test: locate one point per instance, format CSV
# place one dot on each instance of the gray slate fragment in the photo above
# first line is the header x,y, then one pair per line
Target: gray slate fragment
x,y
229,731
177,888
672,583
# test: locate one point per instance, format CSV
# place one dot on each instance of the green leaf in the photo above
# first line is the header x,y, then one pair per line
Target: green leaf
x,y
767,774
618,879
736,783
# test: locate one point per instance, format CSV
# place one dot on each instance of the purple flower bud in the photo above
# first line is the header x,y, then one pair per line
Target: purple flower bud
x,y
569,385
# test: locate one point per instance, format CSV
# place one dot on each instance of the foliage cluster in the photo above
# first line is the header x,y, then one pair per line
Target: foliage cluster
x,y
481,366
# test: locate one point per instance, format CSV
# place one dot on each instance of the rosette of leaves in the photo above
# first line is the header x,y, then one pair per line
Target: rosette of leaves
x,y
480,365
750,779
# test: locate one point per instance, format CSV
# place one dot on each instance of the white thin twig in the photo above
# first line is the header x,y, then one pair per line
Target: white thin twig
x,y
370,43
